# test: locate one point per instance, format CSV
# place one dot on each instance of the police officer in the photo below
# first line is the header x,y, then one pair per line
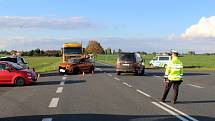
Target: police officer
x,y
173,76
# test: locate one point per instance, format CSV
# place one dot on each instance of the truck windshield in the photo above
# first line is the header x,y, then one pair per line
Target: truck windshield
x,y
72,50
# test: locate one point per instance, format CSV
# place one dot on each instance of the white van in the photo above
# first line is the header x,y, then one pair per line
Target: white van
x,y
160,61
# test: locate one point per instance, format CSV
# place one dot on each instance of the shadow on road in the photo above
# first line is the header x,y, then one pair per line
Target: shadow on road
x,y
57,82
50,74
101,117
198,101
103,66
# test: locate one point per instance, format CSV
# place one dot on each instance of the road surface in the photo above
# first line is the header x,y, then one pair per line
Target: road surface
x,y
104,96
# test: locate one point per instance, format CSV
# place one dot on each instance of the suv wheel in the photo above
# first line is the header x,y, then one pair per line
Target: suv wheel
x,y
19,81
118,73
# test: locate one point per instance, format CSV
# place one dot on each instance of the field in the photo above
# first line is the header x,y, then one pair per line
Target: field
x,y
191,62
43,64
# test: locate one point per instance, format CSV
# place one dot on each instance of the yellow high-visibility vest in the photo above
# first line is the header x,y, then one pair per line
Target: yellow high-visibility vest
x,y
174,70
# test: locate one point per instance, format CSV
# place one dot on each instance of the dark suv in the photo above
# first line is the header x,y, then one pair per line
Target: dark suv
x,y
16,59
130,63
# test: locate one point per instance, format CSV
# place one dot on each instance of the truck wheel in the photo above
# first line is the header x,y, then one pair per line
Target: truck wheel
x,y
19,81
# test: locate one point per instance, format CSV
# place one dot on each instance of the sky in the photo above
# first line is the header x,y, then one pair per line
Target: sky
x,y
131,25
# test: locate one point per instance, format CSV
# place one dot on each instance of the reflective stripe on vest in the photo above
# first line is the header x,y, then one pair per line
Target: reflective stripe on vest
x,y
174,76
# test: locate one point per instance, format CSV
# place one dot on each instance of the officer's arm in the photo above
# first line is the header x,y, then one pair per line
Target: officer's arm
x,y
182,71
167,72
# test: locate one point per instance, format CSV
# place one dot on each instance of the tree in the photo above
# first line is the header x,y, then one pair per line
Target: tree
x,y
191,52
119,51
94,47
37,52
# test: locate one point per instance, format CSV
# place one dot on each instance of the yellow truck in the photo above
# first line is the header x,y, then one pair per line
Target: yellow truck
x,y
72,50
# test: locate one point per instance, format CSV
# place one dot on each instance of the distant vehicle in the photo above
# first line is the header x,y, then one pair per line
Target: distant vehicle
x,y
78,65
130,63
12,73
16,59
19,61
72,50
160,61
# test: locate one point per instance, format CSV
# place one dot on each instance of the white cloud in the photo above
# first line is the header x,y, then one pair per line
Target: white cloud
x,y
29,22
205,29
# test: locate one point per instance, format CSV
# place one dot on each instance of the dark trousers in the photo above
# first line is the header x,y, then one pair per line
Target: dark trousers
x,y
168,85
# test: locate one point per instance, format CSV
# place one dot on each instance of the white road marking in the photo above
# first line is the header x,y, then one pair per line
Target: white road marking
x,y
110,75
53,103
127,84
116,78
180,112
147,95
169,111
59,90
62,82
47,119
195,86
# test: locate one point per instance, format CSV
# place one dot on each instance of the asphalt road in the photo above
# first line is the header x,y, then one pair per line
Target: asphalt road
x,y
104,96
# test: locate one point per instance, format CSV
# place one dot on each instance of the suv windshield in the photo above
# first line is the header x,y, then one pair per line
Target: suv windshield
x,y
17,67
14,60
73,60
127,57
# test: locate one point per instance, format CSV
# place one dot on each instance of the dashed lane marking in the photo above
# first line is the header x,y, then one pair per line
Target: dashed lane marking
x,y
127,84
116,78
169,111
62,82
47,119
53,103
147,95
195,86
180,112
59,90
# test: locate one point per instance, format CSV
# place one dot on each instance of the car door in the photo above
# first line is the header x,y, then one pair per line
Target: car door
x,y
6,76
82,65
88,63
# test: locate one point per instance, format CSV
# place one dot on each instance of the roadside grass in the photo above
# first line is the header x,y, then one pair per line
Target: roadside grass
x,y
43,64
190,62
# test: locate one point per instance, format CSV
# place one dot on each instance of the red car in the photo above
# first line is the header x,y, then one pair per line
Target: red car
x,y
11,73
